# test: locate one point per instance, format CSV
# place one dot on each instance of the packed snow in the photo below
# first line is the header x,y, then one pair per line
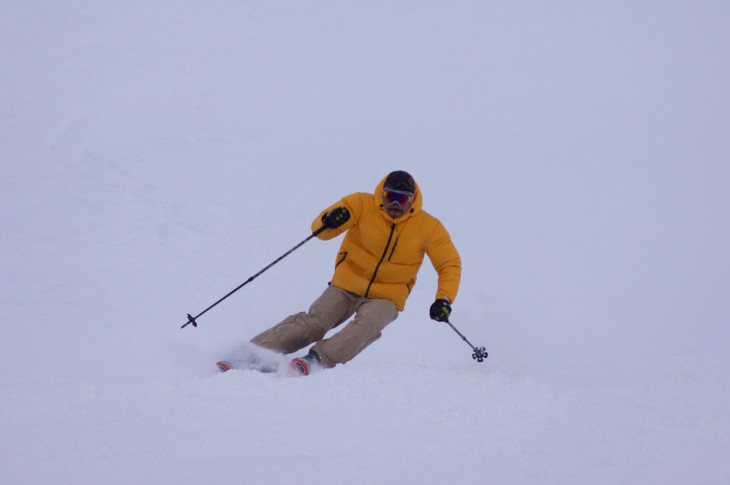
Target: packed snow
x,y
155,155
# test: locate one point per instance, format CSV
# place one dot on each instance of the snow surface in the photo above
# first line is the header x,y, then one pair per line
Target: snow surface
x,y
154,155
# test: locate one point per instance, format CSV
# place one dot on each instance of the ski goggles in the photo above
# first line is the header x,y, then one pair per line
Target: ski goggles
x,y
403,199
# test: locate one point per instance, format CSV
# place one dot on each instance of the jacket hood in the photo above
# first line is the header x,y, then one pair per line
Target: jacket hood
x,y
415,207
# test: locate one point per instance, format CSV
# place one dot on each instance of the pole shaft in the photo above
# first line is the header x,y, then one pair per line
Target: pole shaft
x,y
460,335
314,234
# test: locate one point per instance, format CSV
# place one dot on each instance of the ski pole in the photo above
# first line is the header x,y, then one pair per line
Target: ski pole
x,y
192,319
480,353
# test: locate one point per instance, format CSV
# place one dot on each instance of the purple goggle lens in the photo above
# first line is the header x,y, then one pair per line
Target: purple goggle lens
x,y
396,197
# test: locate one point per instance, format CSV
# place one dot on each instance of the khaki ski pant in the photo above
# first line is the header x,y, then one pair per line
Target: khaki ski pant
x,y
330,310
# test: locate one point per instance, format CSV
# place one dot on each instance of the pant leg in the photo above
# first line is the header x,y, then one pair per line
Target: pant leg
x,y
297,331
372,316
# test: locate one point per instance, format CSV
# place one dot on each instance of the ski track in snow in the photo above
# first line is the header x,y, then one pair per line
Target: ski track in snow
x,y
420,423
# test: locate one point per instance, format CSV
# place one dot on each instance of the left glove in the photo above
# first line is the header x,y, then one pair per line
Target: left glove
x,y
440,310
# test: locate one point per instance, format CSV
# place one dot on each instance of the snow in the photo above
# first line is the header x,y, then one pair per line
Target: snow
x,y
154,155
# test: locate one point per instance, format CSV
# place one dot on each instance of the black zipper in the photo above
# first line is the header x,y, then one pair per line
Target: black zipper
x,y
377,267
393,250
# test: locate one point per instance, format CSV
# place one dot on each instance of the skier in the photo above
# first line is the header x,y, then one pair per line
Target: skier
x,y
387,235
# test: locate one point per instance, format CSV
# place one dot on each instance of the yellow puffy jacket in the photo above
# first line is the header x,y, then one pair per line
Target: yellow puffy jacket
x,y
380,256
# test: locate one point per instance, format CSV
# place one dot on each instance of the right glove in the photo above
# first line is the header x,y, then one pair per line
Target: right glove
x,y
336,217
440,310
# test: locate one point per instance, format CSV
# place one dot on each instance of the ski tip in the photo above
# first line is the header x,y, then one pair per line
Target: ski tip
x,y
224,366
299,367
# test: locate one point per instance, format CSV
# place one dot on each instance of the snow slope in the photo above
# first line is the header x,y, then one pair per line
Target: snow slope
x,y
154,155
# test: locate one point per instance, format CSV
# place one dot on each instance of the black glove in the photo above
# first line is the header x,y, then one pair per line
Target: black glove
x,y
336,217
440,310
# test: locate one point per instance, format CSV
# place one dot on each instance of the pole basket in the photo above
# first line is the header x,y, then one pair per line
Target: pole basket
x,y
480,353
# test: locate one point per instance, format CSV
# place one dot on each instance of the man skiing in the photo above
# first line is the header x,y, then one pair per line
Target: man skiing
x,y
387,235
